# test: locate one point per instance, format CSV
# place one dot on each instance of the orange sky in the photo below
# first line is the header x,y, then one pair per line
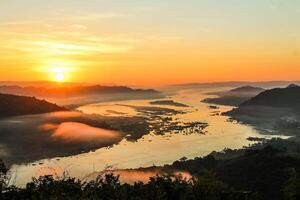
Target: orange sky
x,y
150,42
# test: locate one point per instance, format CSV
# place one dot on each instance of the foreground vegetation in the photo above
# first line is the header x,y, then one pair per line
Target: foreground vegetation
x,y
110,188
268,171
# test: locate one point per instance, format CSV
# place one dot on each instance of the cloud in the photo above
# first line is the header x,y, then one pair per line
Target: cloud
x,y
78,27
48,127
55,46
69,16
96,16
74,132
23,22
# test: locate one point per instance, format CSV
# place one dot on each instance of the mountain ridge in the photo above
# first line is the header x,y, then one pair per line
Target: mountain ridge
x,y
278,97
234,97
72,91
275,110
15,105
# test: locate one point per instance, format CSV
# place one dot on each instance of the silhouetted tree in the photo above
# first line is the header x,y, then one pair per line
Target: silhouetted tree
x,y
3,172
292,189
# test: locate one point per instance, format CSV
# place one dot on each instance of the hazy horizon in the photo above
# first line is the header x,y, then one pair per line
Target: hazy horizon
x,y
239,83
149,42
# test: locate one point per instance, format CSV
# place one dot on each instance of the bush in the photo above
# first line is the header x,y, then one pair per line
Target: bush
x,y
3,172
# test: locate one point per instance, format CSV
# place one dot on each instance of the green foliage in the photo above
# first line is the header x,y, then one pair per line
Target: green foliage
x,y
292,189
262,172
209,188
14,105
110,188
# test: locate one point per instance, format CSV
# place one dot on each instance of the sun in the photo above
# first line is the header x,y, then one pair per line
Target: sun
x,y
59,74
60,77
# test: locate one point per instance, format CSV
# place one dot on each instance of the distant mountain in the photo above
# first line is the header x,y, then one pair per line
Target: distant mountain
x,y
246,90
73,91
13,105
235,96
288,97
264,84
292,86
276,109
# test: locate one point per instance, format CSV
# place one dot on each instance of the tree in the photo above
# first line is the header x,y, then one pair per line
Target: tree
x,y
292,189
3,172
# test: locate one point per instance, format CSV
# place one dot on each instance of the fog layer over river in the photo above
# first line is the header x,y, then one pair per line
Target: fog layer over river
x,y
154,148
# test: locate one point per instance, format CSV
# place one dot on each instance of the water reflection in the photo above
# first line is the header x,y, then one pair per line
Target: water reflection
x,y
151,149
108,109
132,176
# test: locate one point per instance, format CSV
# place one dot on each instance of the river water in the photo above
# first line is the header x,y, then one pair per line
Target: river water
x,y
152,149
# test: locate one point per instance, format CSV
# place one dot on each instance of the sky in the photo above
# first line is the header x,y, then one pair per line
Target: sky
x,y
149,42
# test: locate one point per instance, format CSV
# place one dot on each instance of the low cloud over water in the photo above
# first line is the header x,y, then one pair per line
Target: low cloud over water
x,y
78,132
55,134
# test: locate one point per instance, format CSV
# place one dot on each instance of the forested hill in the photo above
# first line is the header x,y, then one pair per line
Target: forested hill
x,y
279,97
13,105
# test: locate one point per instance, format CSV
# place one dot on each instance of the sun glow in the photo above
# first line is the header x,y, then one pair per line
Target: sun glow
x,y
60,77
59,74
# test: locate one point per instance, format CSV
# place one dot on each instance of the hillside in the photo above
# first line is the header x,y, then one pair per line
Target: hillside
x,y
266,167
235,96
279,97
276,110
13,105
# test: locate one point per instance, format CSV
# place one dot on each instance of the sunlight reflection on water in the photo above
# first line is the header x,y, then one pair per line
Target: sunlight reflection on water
x,y
108,109
151,149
